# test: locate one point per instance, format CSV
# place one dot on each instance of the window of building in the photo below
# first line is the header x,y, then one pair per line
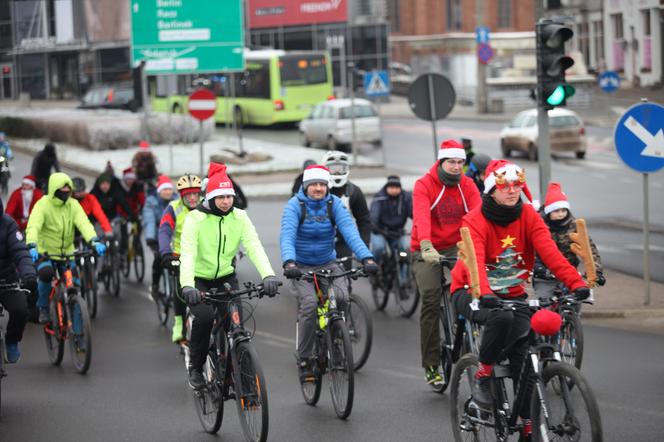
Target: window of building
x,y
504,13
393,15
646,52
617,24
598,31
645,14
298,40
453,15
584,41
114,64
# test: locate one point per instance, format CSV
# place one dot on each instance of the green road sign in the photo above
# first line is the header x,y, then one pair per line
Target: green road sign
x,y
187,36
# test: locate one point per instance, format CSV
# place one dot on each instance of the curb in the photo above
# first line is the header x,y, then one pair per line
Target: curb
x,y
624,314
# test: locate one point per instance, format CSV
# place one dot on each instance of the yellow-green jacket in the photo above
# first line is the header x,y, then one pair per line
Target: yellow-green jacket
x,y
210,242
52,223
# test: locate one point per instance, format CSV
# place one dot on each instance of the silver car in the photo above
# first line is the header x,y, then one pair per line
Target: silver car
x,y
330,124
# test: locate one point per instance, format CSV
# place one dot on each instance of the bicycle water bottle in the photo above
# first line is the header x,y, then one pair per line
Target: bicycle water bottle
x,y
322,315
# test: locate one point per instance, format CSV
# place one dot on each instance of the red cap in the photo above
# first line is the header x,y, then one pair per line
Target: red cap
x,y
143,144
129,173
505,173
163,183
30,180
555,199
545,322
218,182
451,149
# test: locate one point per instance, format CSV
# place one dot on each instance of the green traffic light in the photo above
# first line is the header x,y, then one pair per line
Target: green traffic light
x,y
560,94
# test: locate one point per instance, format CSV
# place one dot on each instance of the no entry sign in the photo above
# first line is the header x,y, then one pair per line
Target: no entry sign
x,y
202,104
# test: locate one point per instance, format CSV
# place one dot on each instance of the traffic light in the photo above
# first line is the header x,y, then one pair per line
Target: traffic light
x,y
552,62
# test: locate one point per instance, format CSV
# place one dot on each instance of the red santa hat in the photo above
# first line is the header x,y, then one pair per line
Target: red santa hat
x,y
30,180
163,183
129,174
555,199
501,173
451,149
143,144
315,174
218,182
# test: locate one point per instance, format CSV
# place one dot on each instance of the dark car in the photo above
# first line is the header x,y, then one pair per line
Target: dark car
x,y
110,97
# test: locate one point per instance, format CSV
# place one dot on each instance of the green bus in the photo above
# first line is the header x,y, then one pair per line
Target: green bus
x,y
276,87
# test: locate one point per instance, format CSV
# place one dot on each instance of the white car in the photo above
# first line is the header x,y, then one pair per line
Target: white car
x,y
566,131
330,124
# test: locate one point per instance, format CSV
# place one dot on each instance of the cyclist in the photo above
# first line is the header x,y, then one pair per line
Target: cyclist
x,y
308,227
91,205
506,233
170,231
560,221
134,192
14,262
351,196
440,199
154,208
477,168
211,236
5,150
298,180
22,200
43,163
51,230
111,198
390,210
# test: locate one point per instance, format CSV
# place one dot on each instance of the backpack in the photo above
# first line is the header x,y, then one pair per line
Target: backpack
x,y
303,211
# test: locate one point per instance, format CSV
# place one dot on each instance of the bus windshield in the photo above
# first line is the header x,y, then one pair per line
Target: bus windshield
x,y
298,70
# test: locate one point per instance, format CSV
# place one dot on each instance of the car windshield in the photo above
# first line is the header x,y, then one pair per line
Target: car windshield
x,y
519,120
359,111
564,121
299,70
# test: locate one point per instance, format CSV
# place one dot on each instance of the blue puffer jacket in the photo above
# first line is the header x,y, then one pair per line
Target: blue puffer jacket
x,y
152,212
312,242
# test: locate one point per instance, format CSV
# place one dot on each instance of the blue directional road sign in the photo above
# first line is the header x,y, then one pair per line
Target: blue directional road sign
x,y
376,84
609,81
484,53
639,137
482,35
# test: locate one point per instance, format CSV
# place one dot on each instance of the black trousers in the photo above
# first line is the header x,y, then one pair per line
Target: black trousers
x,y
204,315
16,305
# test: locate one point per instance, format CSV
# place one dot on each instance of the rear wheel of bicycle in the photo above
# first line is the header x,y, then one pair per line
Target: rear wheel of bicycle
x,y
209,402
378,293
341,369
573,413
115,271
139,260
408,297
89,289
446,365
55,345
477,425
161,300
125,263
360,330
80,340
251,393
570,339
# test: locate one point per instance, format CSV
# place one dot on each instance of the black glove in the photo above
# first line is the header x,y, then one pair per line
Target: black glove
x,y
370,266
271,285
291,271
540,272
191,295
30,283
489,301
601,280
167,260
582,293
153,244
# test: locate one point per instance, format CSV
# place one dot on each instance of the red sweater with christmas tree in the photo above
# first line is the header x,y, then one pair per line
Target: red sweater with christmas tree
x,y
505,255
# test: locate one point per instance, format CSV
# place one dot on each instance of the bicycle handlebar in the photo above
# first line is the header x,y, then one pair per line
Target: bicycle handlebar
x,y
354,273
251,290
76,254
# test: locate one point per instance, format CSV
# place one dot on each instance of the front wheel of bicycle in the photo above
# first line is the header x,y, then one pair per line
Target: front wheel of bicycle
x,y
209,402
360,330
340,356
378,293
311,390
573,413
251,393
89,289
139,260
570,339
125,263
54,334
80,338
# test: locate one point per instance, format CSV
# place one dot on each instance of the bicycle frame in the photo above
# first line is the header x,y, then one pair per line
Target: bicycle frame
x,y
67,277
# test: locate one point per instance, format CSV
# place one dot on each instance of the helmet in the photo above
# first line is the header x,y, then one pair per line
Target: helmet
x,y
79,184
189,181
479,162
339,166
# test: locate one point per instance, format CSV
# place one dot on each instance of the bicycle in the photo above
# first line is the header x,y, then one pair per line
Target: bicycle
x,y
69,312
332,351
110,269
543,369
232,369
168,291
390,278
134,253
87,264
4,321
5,175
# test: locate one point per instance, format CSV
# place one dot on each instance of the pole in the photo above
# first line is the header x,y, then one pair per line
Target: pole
x,y
543,150
353,143
146,102
481,67
380,122
170,142
646,238
200,139
432,111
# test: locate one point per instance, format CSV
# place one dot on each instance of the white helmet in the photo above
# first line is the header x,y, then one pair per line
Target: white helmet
x,y
339,166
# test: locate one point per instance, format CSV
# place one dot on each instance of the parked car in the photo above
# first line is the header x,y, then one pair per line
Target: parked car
x,y
110,97
566,129
330,124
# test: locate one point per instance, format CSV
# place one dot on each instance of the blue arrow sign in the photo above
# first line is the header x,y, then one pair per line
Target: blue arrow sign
x,y
482,35
609,81
376,84
639,137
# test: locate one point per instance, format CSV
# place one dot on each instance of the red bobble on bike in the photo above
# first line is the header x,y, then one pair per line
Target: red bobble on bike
x,y
546,323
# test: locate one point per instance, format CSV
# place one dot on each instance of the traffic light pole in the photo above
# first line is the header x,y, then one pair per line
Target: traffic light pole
x,y
543,151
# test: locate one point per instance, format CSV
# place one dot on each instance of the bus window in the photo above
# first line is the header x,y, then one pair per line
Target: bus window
x,y
255,81
298,70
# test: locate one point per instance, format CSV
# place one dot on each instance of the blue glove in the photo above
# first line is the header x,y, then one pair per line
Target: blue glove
x,y
100,248
34,254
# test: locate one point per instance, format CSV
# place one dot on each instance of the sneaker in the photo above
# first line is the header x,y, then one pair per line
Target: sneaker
x,y
434,378
13,353
482,394
305,371
44,315
196,380
176,335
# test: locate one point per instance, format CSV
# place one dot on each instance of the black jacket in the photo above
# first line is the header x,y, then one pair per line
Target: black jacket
x,y
357,204
110,200
297,184
13,251
240,199
390,214
44,161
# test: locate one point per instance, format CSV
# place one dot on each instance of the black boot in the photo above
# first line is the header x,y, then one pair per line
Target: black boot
x,y
196,380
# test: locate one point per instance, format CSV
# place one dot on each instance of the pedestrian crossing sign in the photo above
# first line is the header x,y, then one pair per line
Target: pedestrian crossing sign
x,y
376,84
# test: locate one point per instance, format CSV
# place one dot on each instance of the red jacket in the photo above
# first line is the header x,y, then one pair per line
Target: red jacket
x,y
15,206
91,207
438,209
505,255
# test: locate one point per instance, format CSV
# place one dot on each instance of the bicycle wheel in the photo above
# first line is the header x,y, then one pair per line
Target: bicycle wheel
x,y
360,330
340,368
469,423
89,288
125,263
80,336
209,402
139,260
570,339
573,414
53,334
115,271
311,390
161,298
251,393
408,296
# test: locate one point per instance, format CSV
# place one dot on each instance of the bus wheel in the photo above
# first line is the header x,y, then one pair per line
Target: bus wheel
x,y
237,117
177,109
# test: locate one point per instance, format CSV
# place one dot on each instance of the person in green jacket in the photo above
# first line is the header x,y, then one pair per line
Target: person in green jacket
x,y
211,236
50,230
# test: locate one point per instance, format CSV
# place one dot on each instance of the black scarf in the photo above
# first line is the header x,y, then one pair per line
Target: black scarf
x,y
559,225
211,208
447,178
499,214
